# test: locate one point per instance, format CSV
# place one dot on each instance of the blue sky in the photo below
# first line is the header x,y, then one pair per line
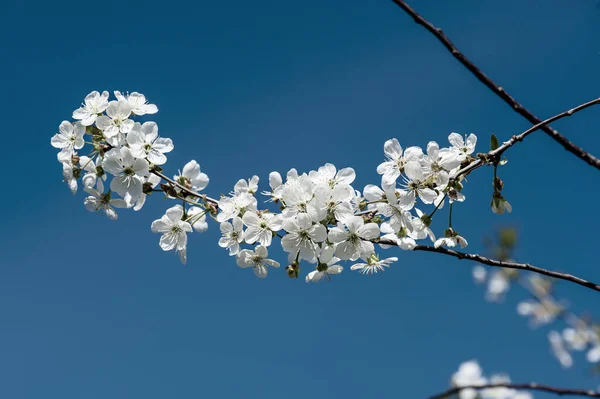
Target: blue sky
x,y
92,308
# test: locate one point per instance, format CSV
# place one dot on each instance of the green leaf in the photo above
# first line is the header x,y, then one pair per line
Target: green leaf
x,y
494,142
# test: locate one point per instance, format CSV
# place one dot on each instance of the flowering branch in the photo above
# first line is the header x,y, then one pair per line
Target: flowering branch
x,y
185,189
494,155
498,90
532,386
325,218
505,264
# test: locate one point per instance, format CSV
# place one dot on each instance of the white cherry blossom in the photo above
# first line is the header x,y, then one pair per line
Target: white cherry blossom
x,y
95,176
260,228
243,186
191,177
400,238
99,202
373,264
137,102
235,206
257,260
144,142
328,175
129,173
416,185
468,374
462,146
94,104
451,240
327,266
302,236
396,159
353,240
69,137
558,349
116,119
174,231
233,235
69,176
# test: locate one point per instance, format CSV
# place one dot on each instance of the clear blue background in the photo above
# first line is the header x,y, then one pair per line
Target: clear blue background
x,y
91,308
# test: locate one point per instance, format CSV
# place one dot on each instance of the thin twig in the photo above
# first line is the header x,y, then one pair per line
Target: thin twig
x,y
532,386
507,265
497,153
498,263
187,190
498,90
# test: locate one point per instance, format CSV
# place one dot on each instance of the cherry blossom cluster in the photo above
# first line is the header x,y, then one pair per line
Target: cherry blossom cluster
x,y
579,334
319,217
469,374
119,147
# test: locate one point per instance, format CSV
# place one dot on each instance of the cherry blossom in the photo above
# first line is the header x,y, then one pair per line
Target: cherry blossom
x,y
129,173
98,201
173,230
257,259
327,266
144,142
94,105
233,235
353,240
373,264
192,177
69,138
137,102
116,119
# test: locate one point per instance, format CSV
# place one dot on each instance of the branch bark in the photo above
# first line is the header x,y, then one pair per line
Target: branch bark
x,y
185,189
498,263
497,153
498,90
508,265
529,386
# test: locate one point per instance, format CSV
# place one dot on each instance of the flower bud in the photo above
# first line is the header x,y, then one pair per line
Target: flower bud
x,y
169,190
103,148
293,270
147,188
362,204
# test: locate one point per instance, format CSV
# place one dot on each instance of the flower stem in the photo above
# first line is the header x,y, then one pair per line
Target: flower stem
x,y
439,203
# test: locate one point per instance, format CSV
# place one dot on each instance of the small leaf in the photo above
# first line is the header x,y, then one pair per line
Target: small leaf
x,y
494,142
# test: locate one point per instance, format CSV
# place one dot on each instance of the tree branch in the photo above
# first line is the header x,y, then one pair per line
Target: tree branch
x,y
530,387
508,265
187,190
497,153
498,263
498,90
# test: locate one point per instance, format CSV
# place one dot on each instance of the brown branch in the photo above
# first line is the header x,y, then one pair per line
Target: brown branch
x,y
498,263
183,188
498,90
532,386
507,265
497,153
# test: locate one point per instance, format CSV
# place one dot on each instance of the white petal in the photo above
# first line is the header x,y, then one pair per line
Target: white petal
x,y
392,149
